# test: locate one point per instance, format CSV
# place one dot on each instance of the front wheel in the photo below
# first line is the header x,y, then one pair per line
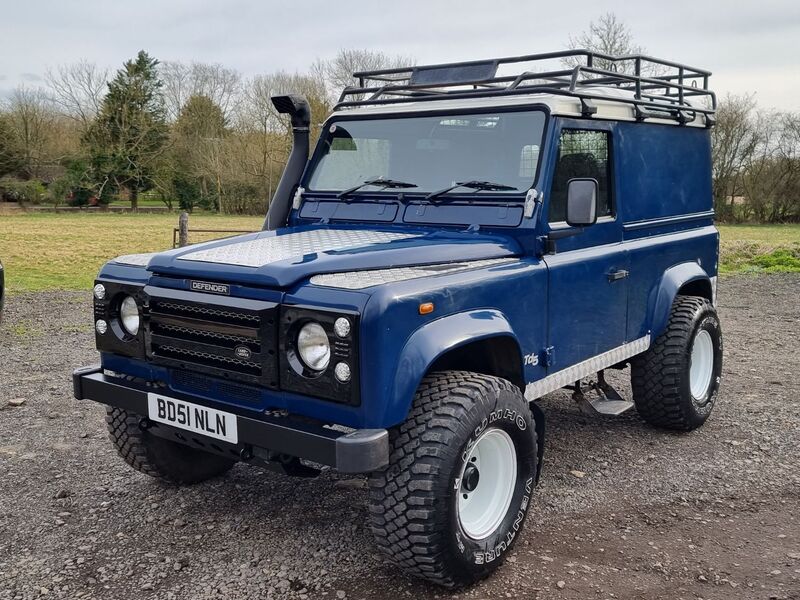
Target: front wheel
x,y
461,472
675,383
163,459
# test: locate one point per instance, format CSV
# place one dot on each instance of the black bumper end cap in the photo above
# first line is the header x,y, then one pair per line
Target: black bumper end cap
x,y
77,379
362,451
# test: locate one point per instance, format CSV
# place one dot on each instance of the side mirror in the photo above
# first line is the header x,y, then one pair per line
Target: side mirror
x,y
582,202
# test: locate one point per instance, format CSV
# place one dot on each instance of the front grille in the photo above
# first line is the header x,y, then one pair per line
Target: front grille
x,y
213,337
235,341
203,312
210,359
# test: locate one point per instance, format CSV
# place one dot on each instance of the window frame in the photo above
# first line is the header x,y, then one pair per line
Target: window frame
x,y
509,197
610,175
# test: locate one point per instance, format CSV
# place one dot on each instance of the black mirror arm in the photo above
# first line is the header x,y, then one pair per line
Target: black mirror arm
x,y
550,239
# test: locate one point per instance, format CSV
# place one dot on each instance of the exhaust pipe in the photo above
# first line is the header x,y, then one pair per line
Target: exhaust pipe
x,y
297,107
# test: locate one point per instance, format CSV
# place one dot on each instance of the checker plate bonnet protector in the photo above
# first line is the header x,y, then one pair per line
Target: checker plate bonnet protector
x,y
266,259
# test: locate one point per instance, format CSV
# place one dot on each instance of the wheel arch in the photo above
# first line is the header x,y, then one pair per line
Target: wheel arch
x,y
482,341
688,279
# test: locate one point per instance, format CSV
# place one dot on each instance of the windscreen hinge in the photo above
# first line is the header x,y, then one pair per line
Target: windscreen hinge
x,y
532,198
298,197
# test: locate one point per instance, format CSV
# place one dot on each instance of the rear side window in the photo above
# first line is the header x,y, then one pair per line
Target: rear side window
x,y
581,153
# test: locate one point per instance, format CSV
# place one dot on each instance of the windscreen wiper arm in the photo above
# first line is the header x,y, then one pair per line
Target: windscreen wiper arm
x,y
478,186
379,182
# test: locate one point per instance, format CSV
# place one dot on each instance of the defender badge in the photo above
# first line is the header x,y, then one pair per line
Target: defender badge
x,y
242,352
212,288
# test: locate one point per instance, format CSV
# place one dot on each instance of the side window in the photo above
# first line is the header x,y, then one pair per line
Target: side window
x,y
581,153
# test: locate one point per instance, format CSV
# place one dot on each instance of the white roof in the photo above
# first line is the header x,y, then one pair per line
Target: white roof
x,y
568,106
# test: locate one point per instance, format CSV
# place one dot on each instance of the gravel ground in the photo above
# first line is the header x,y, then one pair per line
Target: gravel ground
x,y
623,511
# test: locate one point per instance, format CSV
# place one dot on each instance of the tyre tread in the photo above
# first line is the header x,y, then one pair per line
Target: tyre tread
x,y
136,448
656,373
403,498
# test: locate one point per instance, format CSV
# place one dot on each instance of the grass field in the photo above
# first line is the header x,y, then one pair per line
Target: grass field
x,y
759,249
64,251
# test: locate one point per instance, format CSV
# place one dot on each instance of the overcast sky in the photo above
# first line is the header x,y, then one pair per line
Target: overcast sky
x,y
751,46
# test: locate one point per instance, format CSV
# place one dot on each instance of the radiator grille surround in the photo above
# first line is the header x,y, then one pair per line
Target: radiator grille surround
x,y
227,338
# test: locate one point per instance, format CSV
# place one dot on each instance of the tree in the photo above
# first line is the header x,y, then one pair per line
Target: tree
x,y
31,118
337,72
607,35
771,173
264,135
10,154
181,82
129,135
78,90
198,135
200,118
734,139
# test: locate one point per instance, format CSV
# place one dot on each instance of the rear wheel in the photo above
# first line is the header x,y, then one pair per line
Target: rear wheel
x,y
462,467
160,458
675,383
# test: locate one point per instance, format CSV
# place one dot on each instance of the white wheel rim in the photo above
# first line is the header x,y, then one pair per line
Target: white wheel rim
x,y
702,364
482,509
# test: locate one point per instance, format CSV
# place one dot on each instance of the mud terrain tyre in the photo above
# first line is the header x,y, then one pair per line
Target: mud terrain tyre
x,y
160,458
675,383
429,513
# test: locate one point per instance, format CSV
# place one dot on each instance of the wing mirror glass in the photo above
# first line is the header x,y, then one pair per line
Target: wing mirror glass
x,y
582,202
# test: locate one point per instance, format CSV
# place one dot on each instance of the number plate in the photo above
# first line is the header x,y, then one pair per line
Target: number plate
x,y
193,417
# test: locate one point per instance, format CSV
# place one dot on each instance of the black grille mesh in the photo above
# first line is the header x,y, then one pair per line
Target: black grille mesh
x,y
201,310
210,336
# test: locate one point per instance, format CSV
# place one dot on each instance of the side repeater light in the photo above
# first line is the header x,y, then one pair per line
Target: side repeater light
x,y
426,308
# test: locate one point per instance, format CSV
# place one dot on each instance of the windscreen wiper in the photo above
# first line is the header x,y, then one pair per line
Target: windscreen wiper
x,y
378,182
478,186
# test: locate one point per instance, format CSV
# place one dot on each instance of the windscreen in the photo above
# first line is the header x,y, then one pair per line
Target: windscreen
x,y
431,152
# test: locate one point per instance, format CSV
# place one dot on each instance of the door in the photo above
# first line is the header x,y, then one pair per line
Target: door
x,y
588,275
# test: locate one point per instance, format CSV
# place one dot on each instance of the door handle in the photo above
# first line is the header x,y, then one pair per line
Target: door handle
x,y
617,275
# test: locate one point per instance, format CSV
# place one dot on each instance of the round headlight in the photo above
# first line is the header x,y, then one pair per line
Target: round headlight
x,y
313,346
129,315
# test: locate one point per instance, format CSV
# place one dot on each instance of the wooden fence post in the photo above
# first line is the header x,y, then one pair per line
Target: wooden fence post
x,y
183,229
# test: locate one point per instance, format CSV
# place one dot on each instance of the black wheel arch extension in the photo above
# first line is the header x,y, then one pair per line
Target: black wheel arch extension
x,y
697,287
498,356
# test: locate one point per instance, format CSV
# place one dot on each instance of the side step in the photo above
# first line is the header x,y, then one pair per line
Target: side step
x,y
604,401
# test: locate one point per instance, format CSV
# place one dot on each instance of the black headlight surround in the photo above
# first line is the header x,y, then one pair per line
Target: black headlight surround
x,y
116,324
116,340
297,377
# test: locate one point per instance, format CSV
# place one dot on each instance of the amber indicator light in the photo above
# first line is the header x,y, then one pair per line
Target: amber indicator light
x,y
426,308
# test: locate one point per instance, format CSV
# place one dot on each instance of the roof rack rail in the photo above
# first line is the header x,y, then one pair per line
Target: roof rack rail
x,y
658,88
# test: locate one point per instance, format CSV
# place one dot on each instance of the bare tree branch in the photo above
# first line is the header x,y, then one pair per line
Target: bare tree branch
x,y
78,89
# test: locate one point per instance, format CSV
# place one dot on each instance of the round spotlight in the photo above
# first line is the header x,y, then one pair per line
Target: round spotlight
x,y
100,291
341,327
342,372
101,326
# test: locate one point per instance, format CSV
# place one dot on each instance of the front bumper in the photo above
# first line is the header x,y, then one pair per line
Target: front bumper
x,y
265,438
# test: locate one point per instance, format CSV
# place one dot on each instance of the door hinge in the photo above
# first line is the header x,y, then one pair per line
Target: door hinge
x,y
549,356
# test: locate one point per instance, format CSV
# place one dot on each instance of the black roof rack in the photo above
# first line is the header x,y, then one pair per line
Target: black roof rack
x,y
657,88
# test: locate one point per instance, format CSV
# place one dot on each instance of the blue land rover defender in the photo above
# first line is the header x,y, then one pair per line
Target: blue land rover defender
x,y
464,239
